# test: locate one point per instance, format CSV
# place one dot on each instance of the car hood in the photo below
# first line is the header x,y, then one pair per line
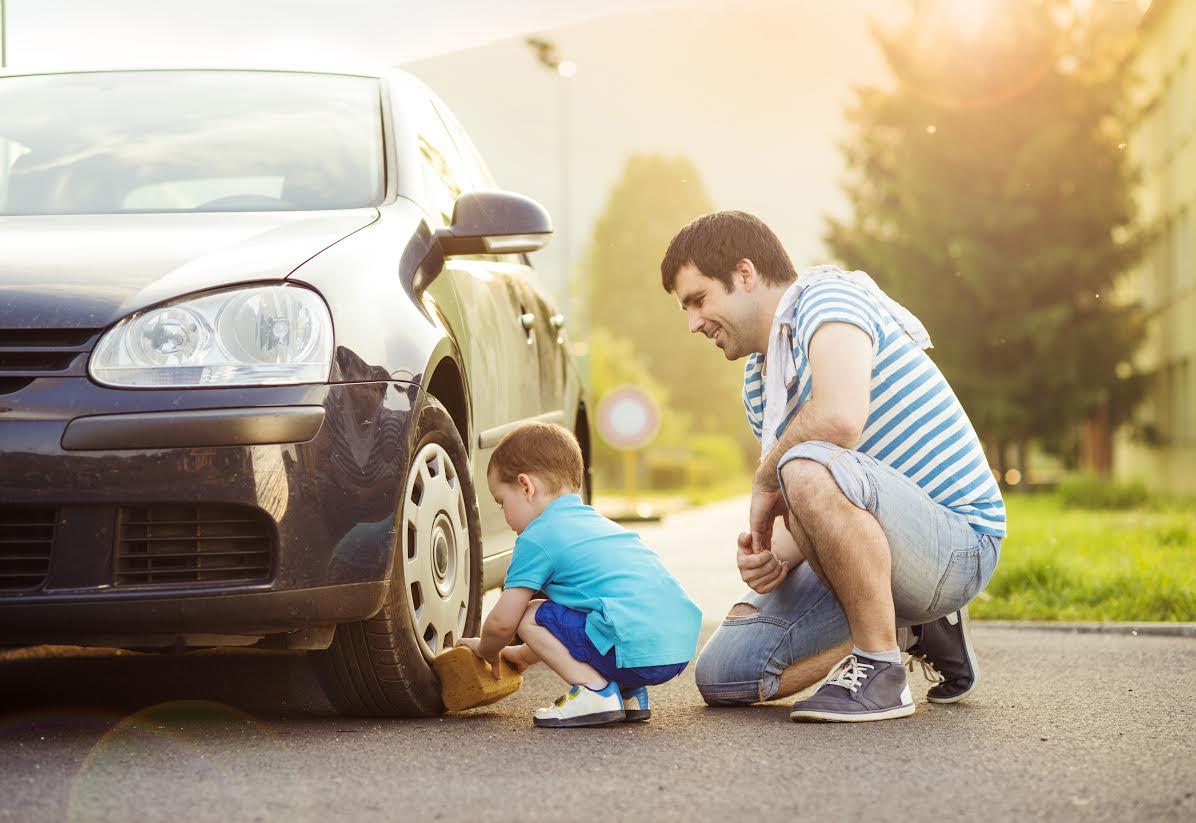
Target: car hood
x,y
89,271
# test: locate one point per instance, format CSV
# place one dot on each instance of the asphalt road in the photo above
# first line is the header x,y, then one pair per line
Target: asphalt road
x,y
1064,726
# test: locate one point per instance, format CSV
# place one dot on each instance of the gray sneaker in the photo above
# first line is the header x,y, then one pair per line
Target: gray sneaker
x,y
944,648
858,688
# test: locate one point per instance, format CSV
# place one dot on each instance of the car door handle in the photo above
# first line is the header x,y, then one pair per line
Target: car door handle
x,y
528,321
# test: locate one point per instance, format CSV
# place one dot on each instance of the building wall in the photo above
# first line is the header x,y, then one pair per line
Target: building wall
x,y
1161,448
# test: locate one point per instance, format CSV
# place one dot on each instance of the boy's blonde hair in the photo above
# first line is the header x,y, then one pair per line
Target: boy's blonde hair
x,y
546,450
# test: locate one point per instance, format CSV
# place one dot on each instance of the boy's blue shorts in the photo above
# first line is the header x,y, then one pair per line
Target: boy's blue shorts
x,y
569,626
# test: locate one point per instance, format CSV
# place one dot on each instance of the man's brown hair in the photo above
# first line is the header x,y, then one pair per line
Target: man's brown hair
x,y
546,450
716,242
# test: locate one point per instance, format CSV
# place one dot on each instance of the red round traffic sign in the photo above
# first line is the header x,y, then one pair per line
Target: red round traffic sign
x,y
628,418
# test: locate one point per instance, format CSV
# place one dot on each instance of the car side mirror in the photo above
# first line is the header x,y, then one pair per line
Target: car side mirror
x,y
495,222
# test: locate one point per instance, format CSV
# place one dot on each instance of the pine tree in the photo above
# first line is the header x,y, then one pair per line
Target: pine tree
x,y
991,194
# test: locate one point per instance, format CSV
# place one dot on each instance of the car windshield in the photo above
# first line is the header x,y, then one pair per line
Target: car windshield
x,y
202,141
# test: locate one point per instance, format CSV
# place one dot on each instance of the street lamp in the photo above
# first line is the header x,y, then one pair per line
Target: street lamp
x,y
546,52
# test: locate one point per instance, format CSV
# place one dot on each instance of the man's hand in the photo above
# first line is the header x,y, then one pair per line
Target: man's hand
x,y
472,643
761,571
767,506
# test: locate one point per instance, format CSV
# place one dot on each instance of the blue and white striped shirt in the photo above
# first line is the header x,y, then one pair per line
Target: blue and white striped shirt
x,y
915,423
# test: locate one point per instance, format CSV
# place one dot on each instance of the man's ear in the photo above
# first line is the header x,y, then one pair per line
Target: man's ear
x,y
746,277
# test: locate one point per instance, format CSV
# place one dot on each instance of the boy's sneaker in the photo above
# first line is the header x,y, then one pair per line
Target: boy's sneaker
x,y
582,706
635,703
944,647
858,688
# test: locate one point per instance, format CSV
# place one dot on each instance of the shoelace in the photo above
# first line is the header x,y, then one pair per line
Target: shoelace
x,y
848,673
928,670
566,697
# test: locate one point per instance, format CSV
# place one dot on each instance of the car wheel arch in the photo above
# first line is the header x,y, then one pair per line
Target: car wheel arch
x,y
446,382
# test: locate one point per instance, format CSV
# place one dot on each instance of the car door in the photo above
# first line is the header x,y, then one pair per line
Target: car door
x,y
545,324
551,341
493,322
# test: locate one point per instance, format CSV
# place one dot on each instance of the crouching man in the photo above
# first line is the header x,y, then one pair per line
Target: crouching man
x,y
891,515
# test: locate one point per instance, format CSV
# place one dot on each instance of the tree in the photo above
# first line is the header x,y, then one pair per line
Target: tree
x,y
655,197
991,194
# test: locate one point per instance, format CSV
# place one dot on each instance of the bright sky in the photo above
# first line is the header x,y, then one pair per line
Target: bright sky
x,y
752,91
363,34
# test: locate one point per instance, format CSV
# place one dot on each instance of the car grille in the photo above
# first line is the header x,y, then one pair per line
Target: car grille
x,y
26,535
185,544
27,354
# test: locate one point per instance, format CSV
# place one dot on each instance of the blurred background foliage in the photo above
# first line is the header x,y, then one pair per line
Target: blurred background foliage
x,y
638,334
989,191
992,195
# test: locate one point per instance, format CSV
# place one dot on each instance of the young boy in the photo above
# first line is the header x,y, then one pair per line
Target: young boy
x,y
615,621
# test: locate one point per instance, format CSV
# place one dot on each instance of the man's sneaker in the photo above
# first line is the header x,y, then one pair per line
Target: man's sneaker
x,y
582,706
944,647
858,688
635,703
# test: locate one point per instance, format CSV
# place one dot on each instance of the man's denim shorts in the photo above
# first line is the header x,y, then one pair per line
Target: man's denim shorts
x,y
939,563
569,626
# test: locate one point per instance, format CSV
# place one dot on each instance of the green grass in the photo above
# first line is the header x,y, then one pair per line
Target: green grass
x,y
1067,563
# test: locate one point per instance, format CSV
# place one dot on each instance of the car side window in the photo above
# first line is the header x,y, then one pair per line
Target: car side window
x,y
10,152
445,173
479,174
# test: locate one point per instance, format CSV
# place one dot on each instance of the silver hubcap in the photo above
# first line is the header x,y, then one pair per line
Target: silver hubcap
x,y
435,543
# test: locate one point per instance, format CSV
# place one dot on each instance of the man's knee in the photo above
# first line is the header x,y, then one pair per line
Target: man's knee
x,y
801,475
724,674
720,686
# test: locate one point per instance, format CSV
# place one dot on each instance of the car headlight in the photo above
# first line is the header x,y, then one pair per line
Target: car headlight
x,y
260,335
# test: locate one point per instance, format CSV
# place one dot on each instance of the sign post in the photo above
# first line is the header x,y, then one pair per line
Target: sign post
x,y
628,419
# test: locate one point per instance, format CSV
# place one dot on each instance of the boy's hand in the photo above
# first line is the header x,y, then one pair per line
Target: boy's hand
x,y
514,657
474,644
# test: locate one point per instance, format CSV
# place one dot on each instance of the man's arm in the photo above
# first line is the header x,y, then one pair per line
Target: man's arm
x,y
840,395
837,410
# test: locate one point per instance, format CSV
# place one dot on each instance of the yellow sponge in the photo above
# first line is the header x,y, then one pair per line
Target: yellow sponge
x,y
466,680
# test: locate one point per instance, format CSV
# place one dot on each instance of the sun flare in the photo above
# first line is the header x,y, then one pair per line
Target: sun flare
x,y
969,16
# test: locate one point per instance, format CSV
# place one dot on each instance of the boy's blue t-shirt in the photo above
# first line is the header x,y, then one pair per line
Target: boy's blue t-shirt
x,y
584,561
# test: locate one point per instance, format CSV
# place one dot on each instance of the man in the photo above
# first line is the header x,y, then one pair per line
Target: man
x,y
892,515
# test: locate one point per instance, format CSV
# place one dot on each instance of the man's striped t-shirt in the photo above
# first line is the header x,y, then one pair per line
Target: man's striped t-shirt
x,y
915,424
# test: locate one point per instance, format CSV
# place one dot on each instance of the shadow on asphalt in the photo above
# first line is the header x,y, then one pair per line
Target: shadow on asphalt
x,y
261,682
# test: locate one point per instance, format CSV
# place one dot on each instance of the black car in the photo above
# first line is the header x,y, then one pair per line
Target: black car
x,y
259,333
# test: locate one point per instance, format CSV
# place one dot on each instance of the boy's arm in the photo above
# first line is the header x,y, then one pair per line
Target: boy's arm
x,y
503,622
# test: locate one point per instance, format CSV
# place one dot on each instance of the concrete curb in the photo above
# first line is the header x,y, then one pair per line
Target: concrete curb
x,y
1158,629
1146,628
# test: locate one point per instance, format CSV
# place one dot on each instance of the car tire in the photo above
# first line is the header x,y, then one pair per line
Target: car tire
x,y
382,666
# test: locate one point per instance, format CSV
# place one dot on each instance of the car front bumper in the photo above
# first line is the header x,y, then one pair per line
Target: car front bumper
x,y
127,515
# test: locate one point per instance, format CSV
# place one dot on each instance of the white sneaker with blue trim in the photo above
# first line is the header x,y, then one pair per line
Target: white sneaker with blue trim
x,y
582,706
635,703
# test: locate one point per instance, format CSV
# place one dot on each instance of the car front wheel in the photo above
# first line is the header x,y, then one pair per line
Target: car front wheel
x,y
382,666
